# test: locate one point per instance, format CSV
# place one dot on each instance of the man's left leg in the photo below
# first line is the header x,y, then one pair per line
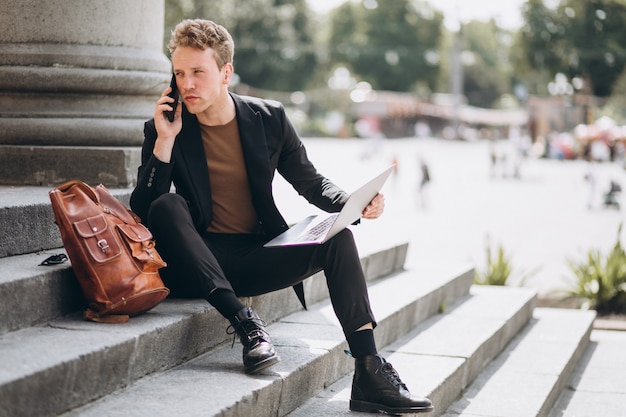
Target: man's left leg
x,y
376,385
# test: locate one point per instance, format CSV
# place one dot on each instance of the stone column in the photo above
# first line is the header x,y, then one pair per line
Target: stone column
x,y
78,78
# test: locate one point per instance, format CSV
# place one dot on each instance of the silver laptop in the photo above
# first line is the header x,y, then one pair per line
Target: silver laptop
x,y
317,229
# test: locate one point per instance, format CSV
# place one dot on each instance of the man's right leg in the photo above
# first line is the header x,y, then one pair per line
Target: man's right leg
x,y
193,272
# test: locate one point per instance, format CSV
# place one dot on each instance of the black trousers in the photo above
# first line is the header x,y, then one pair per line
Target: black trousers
x,y
198,263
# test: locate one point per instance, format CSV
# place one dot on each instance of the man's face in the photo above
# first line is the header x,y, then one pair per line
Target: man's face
x,y
200,82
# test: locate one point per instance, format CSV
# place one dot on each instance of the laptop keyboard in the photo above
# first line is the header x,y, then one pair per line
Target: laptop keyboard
x,y
317,231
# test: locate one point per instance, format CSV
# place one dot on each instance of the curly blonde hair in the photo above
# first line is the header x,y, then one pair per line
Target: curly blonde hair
x,y
203,34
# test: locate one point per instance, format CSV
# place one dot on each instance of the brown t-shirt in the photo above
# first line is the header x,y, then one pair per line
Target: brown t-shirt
x,y
233,211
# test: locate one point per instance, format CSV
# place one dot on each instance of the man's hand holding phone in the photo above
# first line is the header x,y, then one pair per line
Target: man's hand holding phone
x,y
174,95
168,121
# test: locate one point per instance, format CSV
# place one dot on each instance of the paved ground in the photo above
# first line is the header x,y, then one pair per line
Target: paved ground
x,y
596,387
541,219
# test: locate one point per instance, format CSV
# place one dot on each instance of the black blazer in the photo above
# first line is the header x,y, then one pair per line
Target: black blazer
x,y
269,143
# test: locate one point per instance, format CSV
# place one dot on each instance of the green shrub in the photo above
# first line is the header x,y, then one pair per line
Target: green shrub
x,y
497,271
601,283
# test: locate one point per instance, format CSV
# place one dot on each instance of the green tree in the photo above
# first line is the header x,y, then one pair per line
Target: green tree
x,y
487,71
615,107
541,35
392,44
595,29
580,38
347,33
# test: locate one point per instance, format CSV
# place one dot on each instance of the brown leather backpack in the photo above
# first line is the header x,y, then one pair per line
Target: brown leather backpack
x,y
113,255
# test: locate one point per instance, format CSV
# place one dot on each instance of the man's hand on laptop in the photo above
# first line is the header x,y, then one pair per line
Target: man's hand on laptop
x,y
375,208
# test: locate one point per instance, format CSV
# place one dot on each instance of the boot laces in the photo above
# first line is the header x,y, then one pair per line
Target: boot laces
x,y
391,375
253,329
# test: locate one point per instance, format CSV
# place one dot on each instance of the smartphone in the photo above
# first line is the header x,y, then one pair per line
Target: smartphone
x,y
175,95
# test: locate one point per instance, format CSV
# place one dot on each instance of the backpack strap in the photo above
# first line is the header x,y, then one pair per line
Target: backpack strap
x,y
90,315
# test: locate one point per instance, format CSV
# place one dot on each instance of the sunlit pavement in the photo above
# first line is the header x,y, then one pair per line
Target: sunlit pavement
x,y
541,219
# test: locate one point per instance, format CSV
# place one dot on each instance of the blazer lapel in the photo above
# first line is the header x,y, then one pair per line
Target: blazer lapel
x,y
254,145
260,173
192,152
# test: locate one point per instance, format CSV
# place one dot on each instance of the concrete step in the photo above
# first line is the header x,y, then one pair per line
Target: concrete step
x,y
27,221
596,386
311,344
31,294
443,355
526,379
523,380
66,362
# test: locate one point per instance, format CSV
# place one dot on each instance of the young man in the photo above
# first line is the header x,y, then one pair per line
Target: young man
x,y
221,152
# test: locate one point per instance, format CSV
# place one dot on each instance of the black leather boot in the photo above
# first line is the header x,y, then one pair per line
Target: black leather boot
x,y
258,351
376,388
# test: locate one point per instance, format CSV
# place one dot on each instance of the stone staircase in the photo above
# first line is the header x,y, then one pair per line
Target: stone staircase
x,y
475,351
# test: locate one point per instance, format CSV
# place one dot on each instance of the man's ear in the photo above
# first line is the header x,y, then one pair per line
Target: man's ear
x,y
228,72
